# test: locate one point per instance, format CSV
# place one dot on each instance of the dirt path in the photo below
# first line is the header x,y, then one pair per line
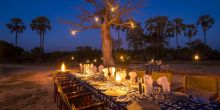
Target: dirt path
x,y
29,88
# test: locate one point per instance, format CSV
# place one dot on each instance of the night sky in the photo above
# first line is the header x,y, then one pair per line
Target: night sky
x,y
59,37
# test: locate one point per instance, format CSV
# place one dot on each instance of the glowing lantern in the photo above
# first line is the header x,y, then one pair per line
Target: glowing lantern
x,y
196,57
73,32
94,60
121,57
96,19
113,9
63,68
72,58
132,25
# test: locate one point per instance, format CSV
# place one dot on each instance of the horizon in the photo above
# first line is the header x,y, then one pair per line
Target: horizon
x,y
60,39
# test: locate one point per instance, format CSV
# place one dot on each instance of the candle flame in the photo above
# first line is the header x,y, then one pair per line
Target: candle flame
x,y
63,68
118,78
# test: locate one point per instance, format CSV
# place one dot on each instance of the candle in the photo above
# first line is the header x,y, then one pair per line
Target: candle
x,y
118,78
63,68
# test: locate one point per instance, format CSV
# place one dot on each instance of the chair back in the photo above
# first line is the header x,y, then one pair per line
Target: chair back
x,y
63,96
140,74
205,83
156,75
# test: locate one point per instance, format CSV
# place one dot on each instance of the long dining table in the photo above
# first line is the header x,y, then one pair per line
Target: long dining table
x,y
125,98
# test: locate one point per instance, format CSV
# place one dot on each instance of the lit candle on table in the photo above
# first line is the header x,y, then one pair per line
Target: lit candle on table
x,y
118,77
63,68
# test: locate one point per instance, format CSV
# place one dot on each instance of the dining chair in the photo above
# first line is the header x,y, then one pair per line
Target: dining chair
x,y
202,83
78,101
168,75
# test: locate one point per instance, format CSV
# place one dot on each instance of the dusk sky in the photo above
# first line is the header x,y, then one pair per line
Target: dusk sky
x,y
59,38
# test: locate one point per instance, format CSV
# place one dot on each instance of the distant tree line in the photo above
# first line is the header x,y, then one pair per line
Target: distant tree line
x,y
147,42
153,40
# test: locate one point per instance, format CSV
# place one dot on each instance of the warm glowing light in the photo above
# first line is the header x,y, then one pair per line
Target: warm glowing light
x,y
152,60
112,71
96,19
73,32
113,9
63,68
101,58
196,57
132,25
87,61
121,57
94,60
72,58
118,78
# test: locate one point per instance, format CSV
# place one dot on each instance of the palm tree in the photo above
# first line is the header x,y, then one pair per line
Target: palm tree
x,y
41,24
178,28
157,27
16,25
206,22
169,31
190,31
118,42
135,37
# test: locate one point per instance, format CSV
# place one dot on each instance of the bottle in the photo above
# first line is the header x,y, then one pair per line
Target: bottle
x,y
140,88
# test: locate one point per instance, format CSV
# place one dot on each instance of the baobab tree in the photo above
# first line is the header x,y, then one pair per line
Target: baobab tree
x,y
107,13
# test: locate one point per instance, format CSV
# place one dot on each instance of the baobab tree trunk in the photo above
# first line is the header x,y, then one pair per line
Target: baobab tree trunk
x,y
107,46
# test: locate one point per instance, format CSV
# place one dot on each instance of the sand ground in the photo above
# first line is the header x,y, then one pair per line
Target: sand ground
x,y
31,87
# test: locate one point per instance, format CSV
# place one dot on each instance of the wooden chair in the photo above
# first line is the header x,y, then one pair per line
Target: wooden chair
x,y
69,85
156,75
69,90
204,83
78,101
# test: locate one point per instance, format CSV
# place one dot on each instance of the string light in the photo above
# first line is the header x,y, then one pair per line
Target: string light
x,y
132,25
196,57
73,32
96,19
113,9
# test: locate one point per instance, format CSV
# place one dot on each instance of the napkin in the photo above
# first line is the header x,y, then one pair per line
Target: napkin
x,y
148,82
132,75
105,71
163,81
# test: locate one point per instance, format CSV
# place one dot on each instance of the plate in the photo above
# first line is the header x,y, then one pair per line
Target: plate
x,y
115,92
98,83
